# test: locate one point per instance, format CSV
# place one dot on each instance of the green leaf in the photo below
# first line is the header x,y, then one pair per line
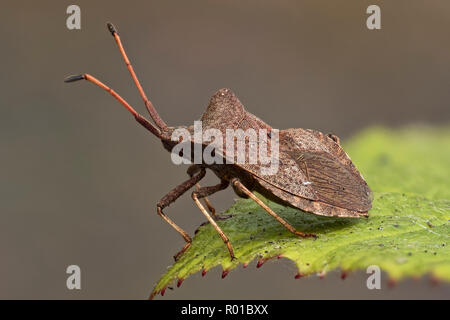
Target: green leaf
x,y
412,160
406,235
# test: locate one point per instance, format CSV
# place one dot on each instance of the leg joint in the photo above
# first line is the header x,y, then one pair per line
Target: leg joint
x,y
193,169
235,182
159,209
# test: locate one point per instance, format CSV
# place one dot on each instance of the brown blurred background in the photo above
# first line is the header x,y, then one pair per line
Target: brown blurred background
x,y
79,179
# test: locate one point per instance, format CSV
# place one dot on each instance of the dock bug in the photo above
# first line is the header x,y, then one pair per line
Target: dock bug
x,y
314,174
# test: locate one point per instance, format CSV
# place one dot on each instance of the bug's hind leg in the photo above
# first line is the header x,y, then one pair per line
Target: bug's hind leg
x,y
207,191
171,197
237,184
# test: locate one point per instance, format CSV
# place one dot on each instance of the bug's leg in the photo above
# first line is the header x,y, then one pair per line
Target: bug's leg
x,y
241,187
139,118
207,202
150,108
169,198
207,191
191,171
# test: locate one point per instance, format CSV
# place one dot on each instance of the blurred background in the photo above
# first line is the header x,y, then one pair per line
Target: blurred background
x,y
79,179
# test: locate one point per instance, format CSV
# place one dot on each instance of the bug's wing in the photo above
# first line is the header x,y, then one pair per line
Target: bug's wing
x,y
315,167
333,182
332,174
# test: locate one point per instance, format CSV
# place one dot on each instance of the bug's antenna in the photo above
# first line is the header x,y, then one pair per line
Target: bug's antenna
x,y
144,122
148,104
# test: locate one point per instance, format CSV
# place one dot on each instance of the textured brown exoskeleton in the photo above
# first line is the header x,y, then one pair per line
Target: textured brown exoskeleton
x,y
314,174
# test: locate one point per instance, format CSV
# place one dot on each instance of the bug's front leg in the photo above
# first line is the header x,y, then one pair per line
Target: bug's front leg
x,y
207,191
237,184
171,197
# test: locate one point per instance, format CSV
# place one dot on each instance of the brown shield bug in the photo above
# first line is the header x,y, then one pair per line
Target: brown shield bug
x,y
314,172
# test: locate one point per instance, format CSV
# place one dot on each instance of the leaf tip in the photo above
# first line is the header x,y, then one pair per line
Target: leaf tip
x,y
391,283
434,281
225,273
260,262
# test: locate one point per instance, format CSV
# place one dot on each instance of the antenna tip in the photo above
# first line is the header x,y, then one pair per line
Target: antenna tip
x,y
74,78
111,28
